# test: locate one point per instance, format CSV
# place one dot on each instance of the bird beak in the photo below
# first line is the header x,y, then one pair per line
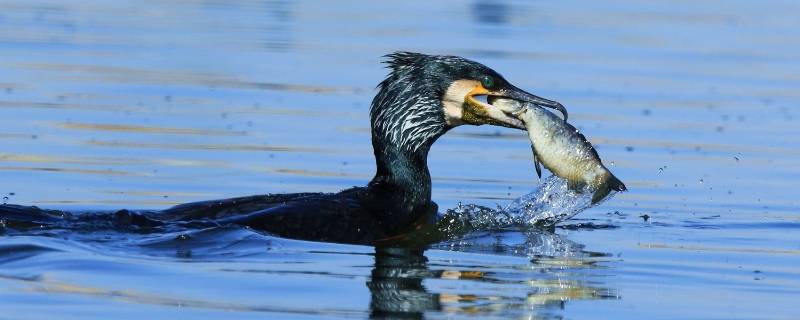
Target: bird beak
x,y
481,112
520,95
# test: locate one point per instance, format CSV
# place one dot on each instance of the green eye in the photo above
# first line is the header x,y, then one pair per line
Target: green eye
x,y
487,82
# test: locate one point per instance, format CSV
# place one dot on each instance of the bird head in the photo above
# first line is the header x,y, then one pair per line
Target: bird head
x,y
425,95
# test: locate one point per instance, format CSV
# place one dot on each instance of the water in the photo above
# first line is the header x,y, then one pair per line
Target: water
x,y
145,104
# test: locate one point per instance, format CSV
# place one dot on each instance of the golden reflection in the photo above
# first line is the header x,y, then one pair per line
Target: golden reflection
x,y
538,292
399,289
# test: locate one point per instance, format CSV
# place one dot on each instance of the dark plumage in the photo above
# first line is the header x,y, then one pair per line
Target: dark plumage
x,y
422,98
406,119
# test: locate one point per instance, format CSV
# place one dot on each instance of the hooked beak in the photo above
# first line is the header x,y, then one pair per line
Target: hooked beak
x,y
481,112
520,95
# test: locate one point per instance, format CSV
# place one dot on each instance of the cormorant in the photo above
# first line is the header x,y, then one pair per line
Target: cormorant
x,y
422,98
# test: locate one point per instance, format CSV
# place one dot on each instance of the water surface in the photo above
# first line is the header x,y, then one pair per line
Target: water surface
x,y
147,104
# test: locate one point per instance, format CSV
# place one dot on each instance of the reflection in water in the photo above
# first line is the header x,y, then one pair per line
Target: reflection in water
x,y
491,12
553,278
277,31
274,16
504,273
652,92
396,284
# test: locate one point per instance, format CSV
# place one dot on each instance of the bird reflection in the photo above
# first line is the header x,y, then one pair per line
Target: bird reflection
x,y
554,276
396,284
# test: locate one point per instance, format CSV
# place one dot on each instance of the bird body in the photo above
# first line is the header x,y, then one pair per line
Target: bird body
x,y
422,98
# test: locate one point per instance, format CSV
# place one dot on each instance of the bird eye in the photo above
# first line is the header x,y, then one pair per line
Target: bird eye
x,y
487,82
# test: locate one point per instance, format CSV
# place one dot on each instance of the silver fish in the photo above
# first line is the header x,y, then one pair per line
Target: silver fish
x,y
562,149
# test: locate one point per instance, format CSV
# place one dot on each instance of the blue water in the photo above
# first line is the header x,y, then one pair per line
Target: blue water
x,y
146,104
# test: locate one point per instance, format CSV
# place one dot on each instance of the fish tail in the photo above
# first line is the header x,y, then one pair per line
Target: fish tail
x,y
610,183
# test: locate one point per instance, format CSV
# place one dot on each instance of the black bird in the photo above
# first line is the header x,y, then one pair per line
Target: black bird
x,y
422,98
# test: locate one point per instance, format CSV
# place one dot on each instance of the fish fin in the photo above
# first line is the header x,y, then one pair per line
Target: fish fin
x,y
600,194
536,163
612,183
616,185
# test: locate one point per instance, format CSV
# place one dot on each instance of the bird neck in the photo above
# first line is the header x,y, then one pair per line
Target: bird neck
x,y
406,118
402,172
401,189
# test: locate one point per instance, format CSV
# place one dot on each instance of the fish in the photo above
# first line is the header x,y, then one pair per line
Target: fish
x,y
562,149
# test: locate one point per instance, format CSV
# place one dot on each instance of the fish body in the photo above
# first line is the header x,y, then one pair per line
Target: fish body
x,y
563,150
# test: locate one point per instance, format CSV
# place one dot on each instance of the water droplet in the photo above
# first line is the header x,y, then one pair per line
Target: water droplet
x,y
736,158
612,163
5,200
701,181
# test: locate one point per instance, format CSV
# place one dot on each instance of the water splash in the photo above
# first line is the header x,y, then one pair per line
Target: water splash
x,y
551,203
